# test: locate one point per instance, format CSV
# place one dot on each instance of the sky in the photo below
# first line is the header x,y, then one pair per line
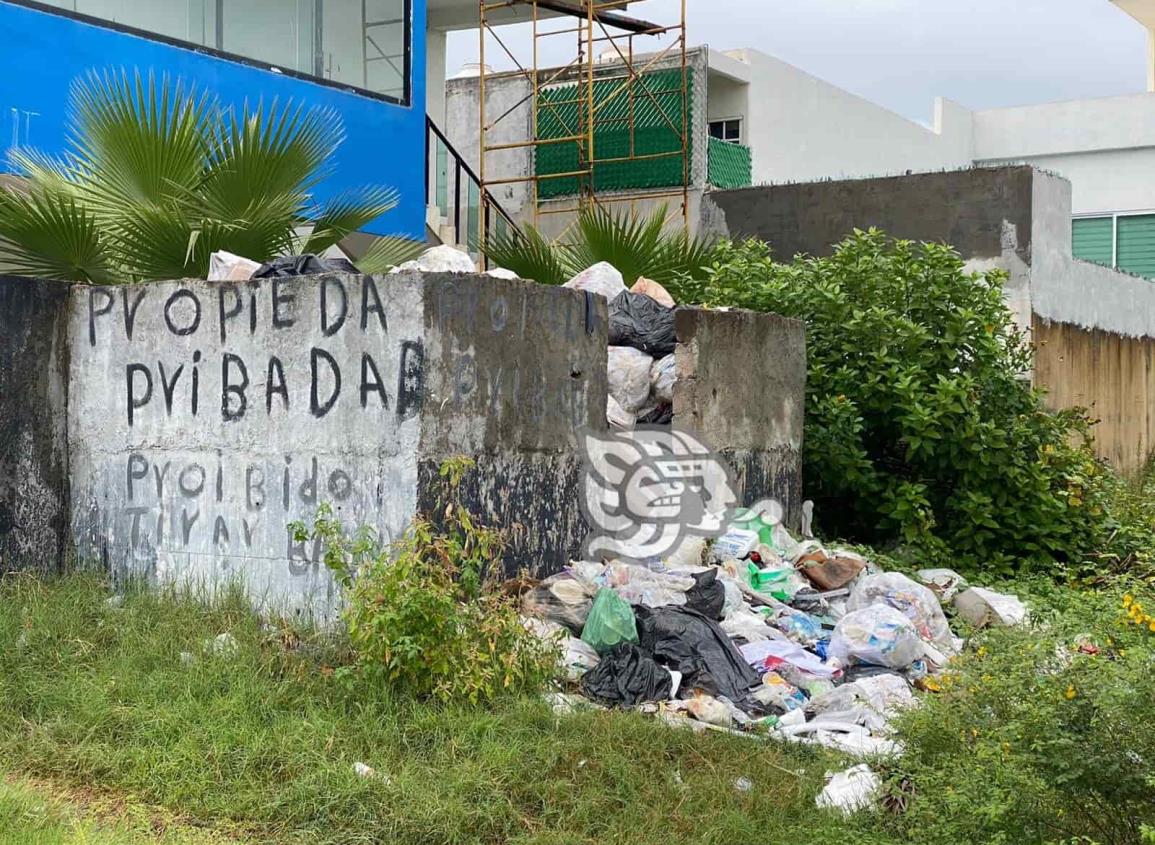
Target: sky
x,y
902,54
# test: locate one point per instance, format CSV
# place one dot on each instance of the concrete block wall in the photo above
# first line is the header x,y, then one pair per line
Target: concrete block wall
x,y
179,427
741,382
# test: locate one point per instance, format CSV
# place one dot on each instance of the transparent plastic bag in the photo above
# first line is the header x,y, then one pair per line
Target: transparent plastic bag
x,y
915,601
877,634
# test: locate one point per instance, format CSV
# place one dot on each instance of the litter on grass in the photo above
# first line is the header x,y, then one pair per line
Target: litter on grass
x,y
764,635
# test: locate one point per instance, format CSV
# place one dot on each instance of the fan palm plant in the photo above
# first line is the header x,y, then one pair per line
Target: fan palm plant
x,y
157,176
636,245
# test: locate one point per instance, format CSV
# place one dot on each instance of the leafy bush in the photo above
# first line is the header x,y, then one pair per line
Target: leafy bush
x,y
424,616
921,425
636,246
1039,735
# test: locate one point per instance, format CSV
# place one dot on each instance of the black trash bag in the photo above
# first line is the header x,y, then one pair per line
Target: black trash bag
x,y
302,265
707,595
625,677
637,320
688,642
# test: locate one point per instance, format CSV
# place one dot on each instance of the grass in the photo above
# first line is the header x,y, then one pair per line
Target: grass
x,y
36,814
261,745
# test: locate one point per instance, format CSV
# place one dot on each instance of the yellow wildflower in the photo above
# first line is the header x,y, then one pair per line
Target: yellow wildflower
x,y
1127,599
1070,693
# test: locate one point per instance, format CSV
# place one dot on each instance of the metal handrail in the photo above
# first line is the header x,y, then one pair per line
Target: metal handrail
x,y
460,167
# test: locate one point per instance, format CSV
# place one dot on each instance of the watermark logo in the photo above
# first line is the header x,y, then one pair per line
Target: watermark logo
x,y
647,490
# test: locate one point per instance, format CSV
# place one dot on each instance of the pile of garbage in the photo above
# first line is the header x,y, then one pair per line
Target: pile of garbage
x,y
641,351
762,634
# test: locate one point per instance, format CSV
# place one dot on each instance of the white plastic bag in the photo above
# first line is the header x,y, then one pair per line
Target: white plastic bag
x,y
750,626
618,417
877,634
641,586
226,267
855,789
914,600
944,583
602,278
981,607
579,657
662,378
440,259
629,376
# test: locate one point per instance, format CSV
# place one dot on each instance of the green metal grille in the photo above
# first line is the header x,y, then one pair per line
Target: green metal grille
x,y
1092,239
1136,247
655,105
730,165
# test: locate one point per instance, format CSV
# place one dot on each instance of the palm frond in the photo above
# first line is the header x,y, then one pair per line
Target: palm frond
x,y
268,152
348,212
135,139
637,246
51,235
529,254
159,242
389,252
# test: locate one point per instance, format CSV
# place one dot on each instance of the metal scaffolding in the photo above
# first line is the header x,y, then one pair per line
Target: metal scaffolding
x,y
609,93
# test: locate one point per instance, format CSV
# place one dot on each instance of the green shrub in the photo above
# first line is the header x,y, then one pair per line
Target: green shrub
x,y
424,616
1035,738
921,425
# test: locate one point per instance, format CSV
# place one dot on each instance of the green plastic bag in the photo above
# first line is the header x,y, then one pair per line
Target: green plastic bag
x,y
611,621
772,582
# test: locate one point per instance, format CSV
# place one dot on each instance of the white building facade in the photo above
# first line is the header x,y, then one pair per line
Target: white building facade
x,y
801,128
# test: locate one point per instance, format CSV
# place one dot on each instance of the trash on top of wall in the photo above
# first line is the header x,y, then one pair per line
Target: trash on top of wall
x,y
641,336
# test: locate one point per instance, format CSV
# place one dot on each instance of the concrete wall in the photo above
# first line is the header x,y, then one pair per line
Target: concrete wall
x,y
1016,219
173,430
237,409
513,371
33,414
205,417
741,382
971,209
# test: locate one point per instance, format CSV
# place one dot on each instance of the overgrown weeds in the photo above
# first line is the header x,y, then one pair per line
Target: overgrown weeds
x,y
264,741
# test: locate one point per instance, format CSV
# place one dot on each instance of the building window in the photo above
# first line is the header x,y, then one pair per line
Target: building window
x,y
729,130
1123,241
364,44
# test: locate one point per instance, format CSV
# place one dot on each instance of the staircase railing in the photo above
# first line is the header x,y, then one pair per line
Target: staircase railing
x,y
454,190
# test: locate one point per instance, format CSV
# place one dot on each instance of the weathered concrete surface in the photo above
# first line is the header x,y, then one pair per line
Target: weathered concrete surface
x,y
969,209
175,429
205,417
514,371
987,214
741,384
33,415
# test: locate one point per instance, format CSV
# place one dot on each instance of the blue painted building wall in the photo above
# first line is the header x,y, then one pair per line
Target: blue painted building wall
x,y
43,53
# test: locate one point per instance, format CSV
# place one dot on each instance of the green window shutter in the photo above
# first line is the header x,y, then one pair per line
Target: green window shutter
x,y
1091,239
1136,249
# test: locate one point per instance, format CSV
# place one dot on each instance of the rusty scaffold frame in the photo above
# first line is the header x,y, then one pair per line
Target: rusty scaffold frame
x,y
599,27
